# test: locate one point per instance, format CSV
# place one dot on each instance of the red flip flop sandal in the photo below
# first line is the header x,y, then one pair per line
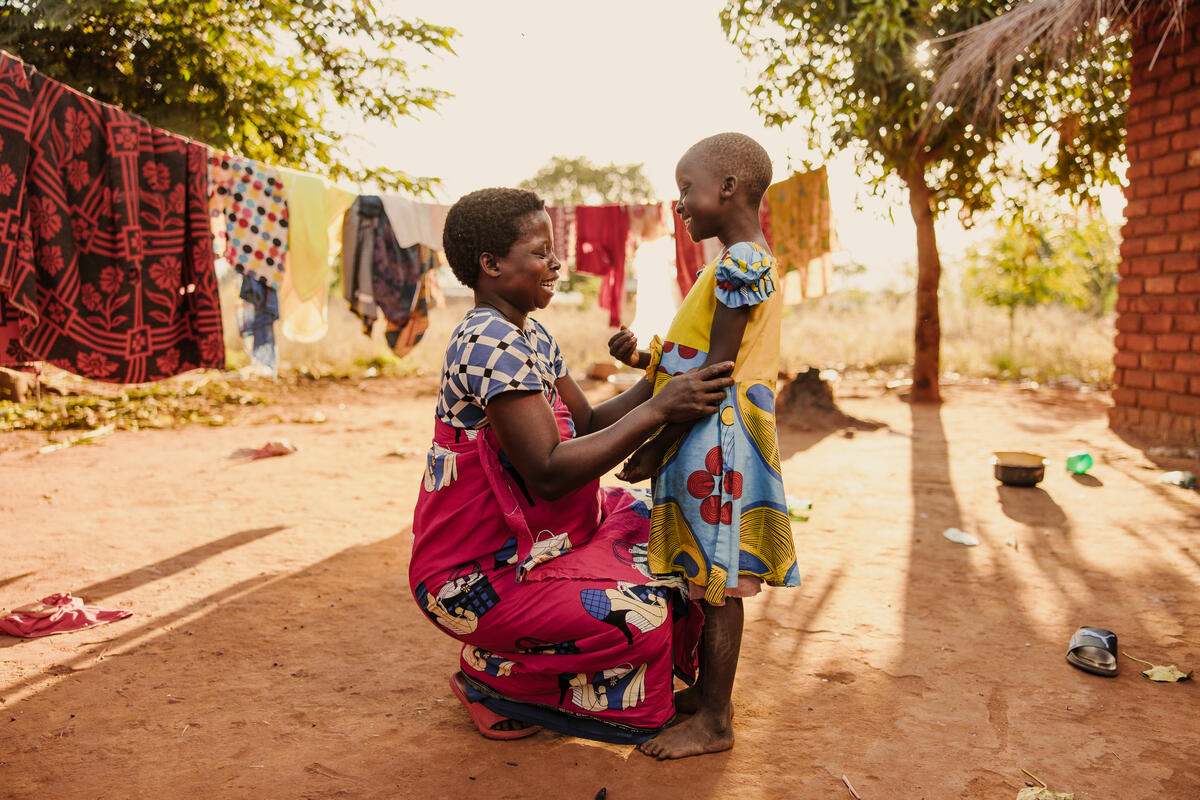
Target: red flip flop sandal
x,y
484,718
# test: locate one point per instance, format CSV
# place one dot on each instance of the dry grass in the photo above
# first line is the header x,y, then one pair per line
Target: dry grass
x,y
843,332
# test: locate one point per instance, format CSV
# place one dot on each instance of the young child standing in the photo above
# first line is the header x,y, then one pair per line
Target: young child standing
x,y
720,516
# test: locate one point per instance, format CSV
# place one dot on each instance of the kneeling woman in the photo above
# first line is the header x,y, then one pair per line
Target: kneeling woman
x,y
518,553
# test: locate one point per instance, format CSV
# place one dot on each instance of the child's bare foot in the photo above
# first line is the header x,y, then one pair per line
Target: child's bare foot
x,y
703,732
687,701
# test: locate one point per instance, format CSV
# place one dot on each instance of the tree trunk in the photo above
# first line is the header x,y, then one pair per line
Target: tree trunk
x,y
928,332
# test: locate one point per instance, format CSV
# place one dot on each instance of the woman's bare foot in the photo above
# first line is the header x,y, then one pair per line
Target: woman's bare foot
x,y
703,732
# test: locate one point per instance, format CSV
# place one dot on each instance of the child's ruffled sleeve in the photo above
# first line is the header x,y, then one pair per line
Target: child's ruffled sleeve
x,y
744,276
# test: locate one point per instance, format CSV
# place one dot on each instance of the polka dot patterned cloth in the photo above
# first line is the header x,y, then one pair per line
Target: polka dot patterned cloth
x,y
249,216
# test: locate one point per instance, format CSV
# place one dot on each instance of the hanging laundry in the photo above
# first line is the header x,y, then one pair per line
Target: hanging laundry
x,y
358,247
249,211
12,354
601,234
315,211
58,613
689,256
256,315
415,222
653,264
562,227
400,286
113,275
802,228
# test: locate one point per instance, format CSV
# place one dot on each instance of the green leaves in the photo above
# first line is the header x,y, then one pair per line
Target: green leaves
x,y
264,78
577,181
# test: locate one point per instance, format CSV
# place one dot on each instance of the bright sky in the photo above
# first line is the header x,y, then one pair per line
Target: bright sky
x,y
623,81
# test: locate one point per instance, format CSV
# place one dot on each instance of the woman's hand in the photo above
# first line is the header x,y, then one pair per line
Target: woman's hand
x,y
694,394
622,346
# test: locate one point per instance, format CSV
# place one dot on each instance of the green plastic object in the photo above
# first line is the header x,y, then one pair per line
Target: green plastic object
x,y
1079,461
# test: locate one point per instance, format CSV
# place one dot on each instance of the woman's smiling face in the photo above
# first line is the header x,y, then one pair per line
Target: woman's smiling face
x,y
529,273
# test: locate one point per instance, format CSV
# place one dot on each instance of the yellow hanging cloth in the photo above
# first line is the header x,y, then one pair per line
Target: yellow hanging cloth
x,y
803,235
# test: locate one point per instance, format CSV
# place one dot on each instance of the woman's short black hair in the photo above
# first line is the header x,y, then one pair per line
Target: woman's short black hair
x,y
485,221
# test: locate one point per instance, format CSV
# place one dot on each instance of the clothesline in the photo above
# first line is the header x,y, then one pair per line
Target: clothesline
x,y
110,230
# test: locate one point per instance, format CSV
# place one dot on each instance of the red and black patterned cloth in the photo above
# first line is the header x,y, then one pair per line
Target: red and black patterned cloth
x,y
105,246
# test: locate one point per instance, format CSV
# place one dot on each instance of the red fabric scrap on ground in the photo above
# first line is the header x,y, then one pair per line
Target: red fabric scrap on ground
x,y
58,613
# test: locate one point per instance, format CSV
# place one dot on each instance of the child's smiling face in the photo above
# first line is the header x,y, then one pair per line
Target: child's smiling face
x,y
700,197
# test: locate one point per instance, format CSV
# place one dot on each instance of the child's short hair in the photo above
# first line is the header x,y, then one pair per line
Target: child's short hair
x,y
484,221
737,154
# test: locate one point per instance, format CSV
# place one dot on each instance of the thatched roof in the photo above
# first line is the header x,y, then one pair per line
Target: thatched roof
x,y
979,64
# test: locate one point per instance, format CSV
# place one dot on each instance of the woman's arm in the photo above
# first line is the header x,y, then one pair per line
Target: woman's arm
x,y
589,419
528,433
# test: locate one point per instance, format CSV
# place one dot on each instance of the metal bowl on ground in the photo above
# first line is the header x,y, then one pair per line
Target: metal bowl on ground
x,y
1016,468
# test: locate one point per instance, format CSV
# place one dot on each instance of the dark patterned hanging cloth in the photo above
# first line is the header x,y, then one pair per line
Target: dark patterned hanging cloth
x,y
105,244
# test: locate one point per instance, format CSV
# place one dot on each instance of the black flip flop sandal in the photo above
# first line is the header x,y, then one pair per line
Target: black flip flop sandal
x,y
1094,650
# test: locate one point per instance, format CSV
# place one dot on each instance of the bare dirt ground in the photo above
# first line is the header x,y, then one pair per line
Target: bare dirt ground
x,y
275,651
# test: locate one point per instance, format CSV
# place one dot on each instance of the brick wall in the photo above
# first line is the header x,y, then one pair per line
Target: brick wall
x,y
1157,366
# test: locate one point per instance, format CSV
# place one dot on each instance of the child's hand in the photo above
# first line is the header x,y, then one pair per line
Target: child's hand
x,y
641,465
623,347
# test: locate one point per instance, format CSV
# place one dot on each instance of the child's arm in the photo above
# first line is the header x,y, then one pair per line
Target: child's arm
x,y
725,338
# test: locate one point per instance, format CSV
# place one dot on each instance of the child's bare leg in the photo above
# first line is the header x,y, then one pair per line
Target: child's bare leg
x,y
710,728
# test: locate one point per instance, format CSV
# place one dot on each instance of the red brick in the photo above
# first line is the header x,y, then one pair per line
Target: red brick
x,y
1187,323
1123,360
1189,58
1149,187
1153,147
1129,286
1181,262
1144,89
1187,284
1118,377
1157,107
1140,208
1185,100
1193,117
1137,171
1160,284
1191,200
1194,385
1140,132
1172,342
1162,243
1122,305
1184,221
1189,242
1145,305
1188,362
1145,265
1178,305
1139,379
1124,397
1131,248
1196,344
1129,323
1158,362
1182,181
1119,341
1152,400
1158,323
1166,204
1168,164
1193,158
1171,382
1184,404
1175,122
1137,342
1146,226
1175,83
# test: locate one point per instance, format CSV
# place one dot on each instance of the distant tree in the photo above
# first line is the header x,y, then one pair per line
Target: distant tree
x,y
577,181
860,72
264,78
1031,262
